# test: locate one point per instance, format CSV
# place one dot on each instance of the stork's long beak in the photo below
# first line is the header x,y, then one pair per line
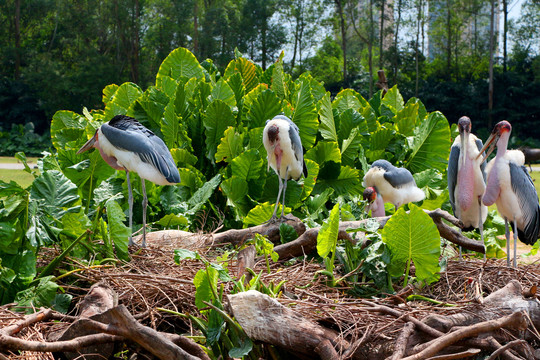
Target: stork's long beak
x,y
89,144
491,142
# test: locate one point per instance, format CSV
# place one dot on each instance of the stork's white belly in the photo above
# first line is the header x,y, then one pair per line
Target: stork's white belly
x,y
507,202
396,196
288,158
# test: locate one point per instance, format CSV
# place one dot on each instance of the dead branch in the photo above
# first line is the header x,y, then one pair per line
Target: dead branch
x,y
515,321
307,242
507,346
460,355
246,259
270,230
401,342
15,344
124,324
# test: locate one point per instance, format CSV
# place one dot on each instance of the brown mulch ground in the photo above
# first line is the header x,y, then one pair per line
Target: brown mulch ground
x,y
152,281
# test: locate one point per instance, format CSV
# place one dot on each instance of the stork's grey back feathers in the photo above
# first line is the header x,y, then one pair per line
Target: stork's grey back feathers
x,y
128,134
397,177
528,201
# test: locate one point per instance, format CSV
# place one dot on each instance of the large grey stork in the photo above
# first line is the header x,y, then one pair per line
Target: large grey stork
x,y
127,145
386,183
467,179
281,139
510,186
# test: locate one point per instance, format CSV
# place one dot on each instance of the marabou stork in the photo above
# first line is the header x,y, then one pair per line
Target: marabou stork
x,y
386,183
510,186
281,138
127,145
467,179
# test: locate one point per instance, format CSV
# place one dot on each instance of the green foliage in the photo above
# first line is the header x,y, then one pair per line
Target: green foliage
x,y
414,238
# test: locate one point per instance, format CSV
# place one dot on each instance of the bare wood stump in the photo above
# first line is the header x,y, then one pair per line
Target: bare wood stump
x,y
264,319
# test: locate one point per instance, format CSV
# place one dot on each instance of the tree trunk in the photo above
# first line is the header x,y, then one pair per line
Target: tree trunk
x,y
136,44
370,47
381,36
505,32
339,5
396,52
449,39
416,60
491,51
196,27
17,39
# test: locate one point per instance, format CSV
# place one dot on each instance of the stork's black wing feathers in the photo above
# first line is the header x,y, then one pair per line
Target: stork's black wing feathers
x,y
128,134
397,177
452,174
528,201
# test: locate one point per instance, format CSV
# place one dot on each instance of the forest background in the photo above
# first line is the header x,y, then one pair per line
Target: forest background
x,y
61,54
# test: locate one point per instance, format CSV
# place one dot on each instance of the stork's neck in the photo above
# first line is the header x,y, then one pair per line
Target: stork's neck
x,y
502,144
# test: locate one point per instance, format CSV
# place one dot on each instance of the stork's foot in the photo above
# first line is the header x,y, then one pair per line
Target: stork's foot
x,y
286,218
274,219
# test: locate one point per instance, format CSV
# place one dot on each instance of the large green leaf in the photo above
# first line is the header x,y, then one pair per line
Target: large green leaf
x,y
347,183
203,193
305,115
345,100
430,144
43,294
230,146
264,107
247,165
170,126
328,234
118,232
279,85
121,101
413,237
262,213
149,107
392,101
217,119
222,91
328,156
67,127
407,118
236,189
311,179
55,193
350,147
205,281
181,63
247,70
328,124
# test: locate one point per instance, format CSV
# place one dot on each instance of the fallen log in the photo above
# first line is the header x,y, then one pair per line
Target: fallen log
x,y
307,242
265,319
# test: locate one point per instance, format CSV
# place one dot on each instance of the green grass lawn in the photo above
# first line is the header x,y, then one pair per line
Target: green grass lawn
x,y
12,160
21,177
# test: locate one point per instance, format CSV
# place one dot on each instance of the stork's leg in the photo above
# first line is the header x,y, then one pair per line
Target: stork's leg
x,y
274,217
144,205
481,225
507,235
284,190
515,242
130,204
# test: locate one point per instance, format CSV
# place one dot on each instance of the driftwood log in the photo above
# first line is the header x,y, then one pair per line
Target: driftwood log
x,y
307,240
93,333
265,319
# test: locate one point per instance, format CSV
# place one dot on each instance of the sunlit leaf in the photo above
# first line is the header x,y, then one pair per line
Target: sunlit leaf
x,y
305,115
230,146
328,234
413,237
217,119
180,63
328,124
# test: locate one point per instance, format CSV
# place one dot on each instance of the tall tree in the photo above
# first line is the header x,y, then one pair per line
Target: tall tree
x,y
491,55
343,30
